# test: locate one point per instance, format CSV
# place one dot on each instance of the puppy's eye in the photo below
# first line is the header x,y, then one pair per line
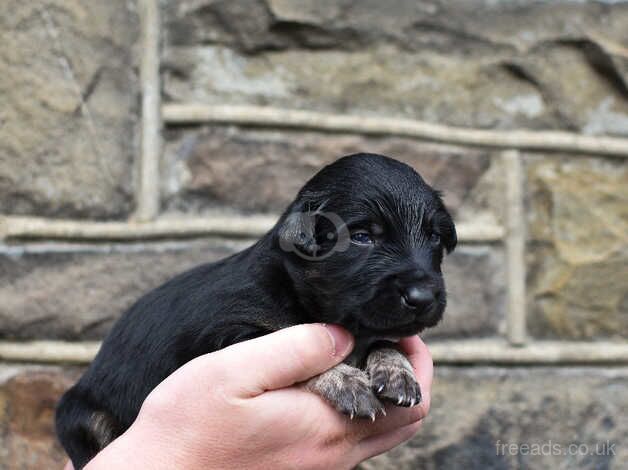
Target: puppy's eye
x,y
435,239
361,237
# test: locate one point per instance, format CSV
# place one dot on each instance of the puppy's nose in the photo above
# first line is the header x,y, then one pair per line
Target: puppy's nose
x,y
418,297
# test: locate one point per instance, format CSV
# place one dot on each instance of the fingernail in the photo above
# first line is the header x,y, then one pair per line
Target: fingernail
x,y
340,338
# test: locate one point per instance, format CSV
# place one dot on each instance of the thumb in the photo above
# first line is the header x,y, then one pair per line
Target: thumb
x,y
282,358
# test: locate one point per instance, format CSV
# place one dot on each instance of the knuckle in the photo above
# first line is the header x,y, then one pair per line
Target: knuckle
x,y
308,343
157,403
410,430
422,410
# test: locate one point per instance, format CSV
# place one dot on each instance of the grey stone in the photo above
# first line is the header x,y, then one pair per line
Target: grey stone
x,y
475,281
467,63
260,170
533,418
72,293
69,93
456,27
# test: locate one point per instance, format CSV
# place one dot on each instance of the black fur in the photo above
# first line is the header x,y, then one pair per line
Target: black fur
x,y
311,267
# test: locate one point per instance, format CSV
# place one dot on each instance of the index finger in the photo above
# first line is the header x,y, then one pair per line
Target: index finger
x,y
421,359
282,358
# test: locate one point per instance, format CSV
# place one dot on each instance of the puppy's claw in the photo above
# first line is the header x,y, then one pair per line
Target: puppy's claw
x,y
373,416
393,380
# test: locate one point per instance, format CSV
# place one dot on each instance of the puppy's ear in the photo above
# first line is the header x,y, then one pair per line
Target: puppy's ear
x,y
448,231
446,226
450,237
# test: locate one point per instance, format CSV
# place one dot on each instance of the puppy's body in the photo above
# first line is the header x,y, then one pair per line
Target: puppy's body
x,y
309,268
199,311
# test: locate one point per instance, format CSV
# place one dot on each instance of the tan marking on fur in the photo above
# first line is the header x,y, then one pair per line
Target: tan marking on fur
x,y
335,378
103,428
348,389
389,358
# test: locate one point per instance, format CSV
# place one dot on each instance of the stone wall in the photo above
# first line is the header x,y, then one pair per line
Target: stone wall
x,y
69,146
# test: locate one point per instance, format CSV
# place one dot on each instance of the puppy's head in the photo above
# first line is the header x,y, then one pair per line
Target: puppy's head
x,y
363,244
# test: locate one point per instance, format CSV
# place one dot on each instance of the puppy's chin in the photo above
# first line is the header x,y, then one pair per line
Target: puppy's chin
x,y
403,322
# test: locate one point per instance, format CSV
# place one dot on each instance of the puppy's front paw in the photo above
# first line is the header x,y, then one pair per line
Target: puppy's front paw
x,y
392,378
349,390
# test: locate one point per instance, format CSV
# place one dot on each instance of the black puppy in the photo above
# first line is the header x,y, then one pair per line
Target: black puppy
x,y
361,246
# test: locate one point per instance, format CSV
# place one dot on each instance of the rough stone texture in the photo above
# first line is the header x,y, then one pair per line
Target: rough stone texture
x,y
475,294
68,120
261,170
28,396
73,295
578,257
474,409
69,97
472,63
78,295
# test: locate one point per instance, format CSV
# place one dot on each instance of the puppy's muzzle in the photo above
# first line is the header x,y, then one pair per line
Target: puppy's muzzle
x,y
418,294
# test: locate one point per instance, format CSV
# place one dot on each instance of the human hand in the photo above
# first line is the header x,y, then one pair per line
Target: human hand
x,y
240,408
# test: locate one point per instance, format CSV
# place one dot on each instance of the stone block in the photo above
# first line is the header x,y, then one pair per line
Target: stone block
x,y
248,170
28,397
578,248
69,111
77,294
